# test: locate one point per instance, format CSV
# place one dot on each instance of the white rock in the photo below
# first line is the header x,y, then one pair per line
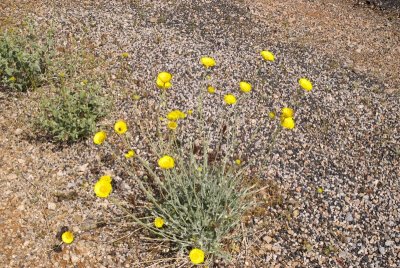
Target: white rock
x,y
51,206
267,239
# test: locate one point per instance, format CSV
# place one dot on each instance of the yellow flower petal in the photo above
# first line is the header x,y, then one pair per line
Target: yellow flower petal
x,y
230,99
175,115
160,83
305,84
136,97
287,112
267,55
196,256
164,77
271,115
67,237
288,123
189,112
99,137
245,87
120,127
207,62
172,125
238,162
130,154
125,55
211,89
102,188
158,222
105,178
166,162
167,85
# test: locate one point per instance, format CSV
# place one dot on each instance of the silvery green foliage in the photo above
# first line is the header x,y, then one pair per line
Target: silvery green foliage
x,y
72,113
23,59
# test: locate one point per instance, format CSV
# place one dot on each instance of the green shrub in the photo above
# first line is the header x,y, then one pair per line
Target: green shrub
x,y
72,113
23,59
202,203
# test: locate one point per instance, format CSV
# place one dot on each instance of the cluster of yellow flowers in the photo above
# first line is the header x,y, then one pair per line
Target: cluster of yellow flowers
x,y
287,120
173,116
103,186
164,80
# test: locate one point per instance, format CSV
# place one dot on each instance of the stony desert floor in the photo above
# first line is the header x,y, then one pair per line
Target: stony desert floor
x,y
347,141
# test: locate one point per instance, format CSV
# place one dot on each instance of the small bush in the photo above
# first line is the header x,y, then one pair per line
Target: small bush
x,y
202,204
23,60
199,190
72,114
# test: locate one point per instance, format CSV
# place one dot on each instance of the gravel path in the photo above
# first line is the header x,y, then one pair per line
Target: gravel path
x,y
346,143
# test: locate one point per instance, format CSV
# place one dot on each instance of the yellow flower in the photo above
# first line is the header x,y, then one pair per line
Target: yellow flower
x,y
120,127
103,187
172,125
238,162
208,77
130,154
166,162
175,115
159,222
106,178
267,55
320,190
67,237
196,256
271,115
211,89
207,62
164,85
287,112
164,77
136,97
84,82
125,55
99,137
288,123
230,99
189,112
167,85
305,84
12,79
245,87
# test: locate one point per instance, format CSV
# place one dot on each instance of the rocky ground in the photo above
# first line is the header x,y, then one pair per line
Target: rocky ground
x,y
346,142
384,4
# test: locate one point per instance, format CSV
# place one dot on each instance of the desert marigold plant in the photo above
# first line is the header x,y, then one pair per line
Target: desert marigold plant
x,y
194,186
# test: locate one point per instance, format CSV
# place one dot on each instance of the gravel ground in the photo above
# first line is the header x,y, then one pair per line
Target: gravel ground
x,y
347,140
385,4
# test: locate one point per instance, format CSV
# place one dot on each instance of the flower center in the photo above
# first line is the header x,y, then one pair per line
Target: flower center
x,y
104,189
